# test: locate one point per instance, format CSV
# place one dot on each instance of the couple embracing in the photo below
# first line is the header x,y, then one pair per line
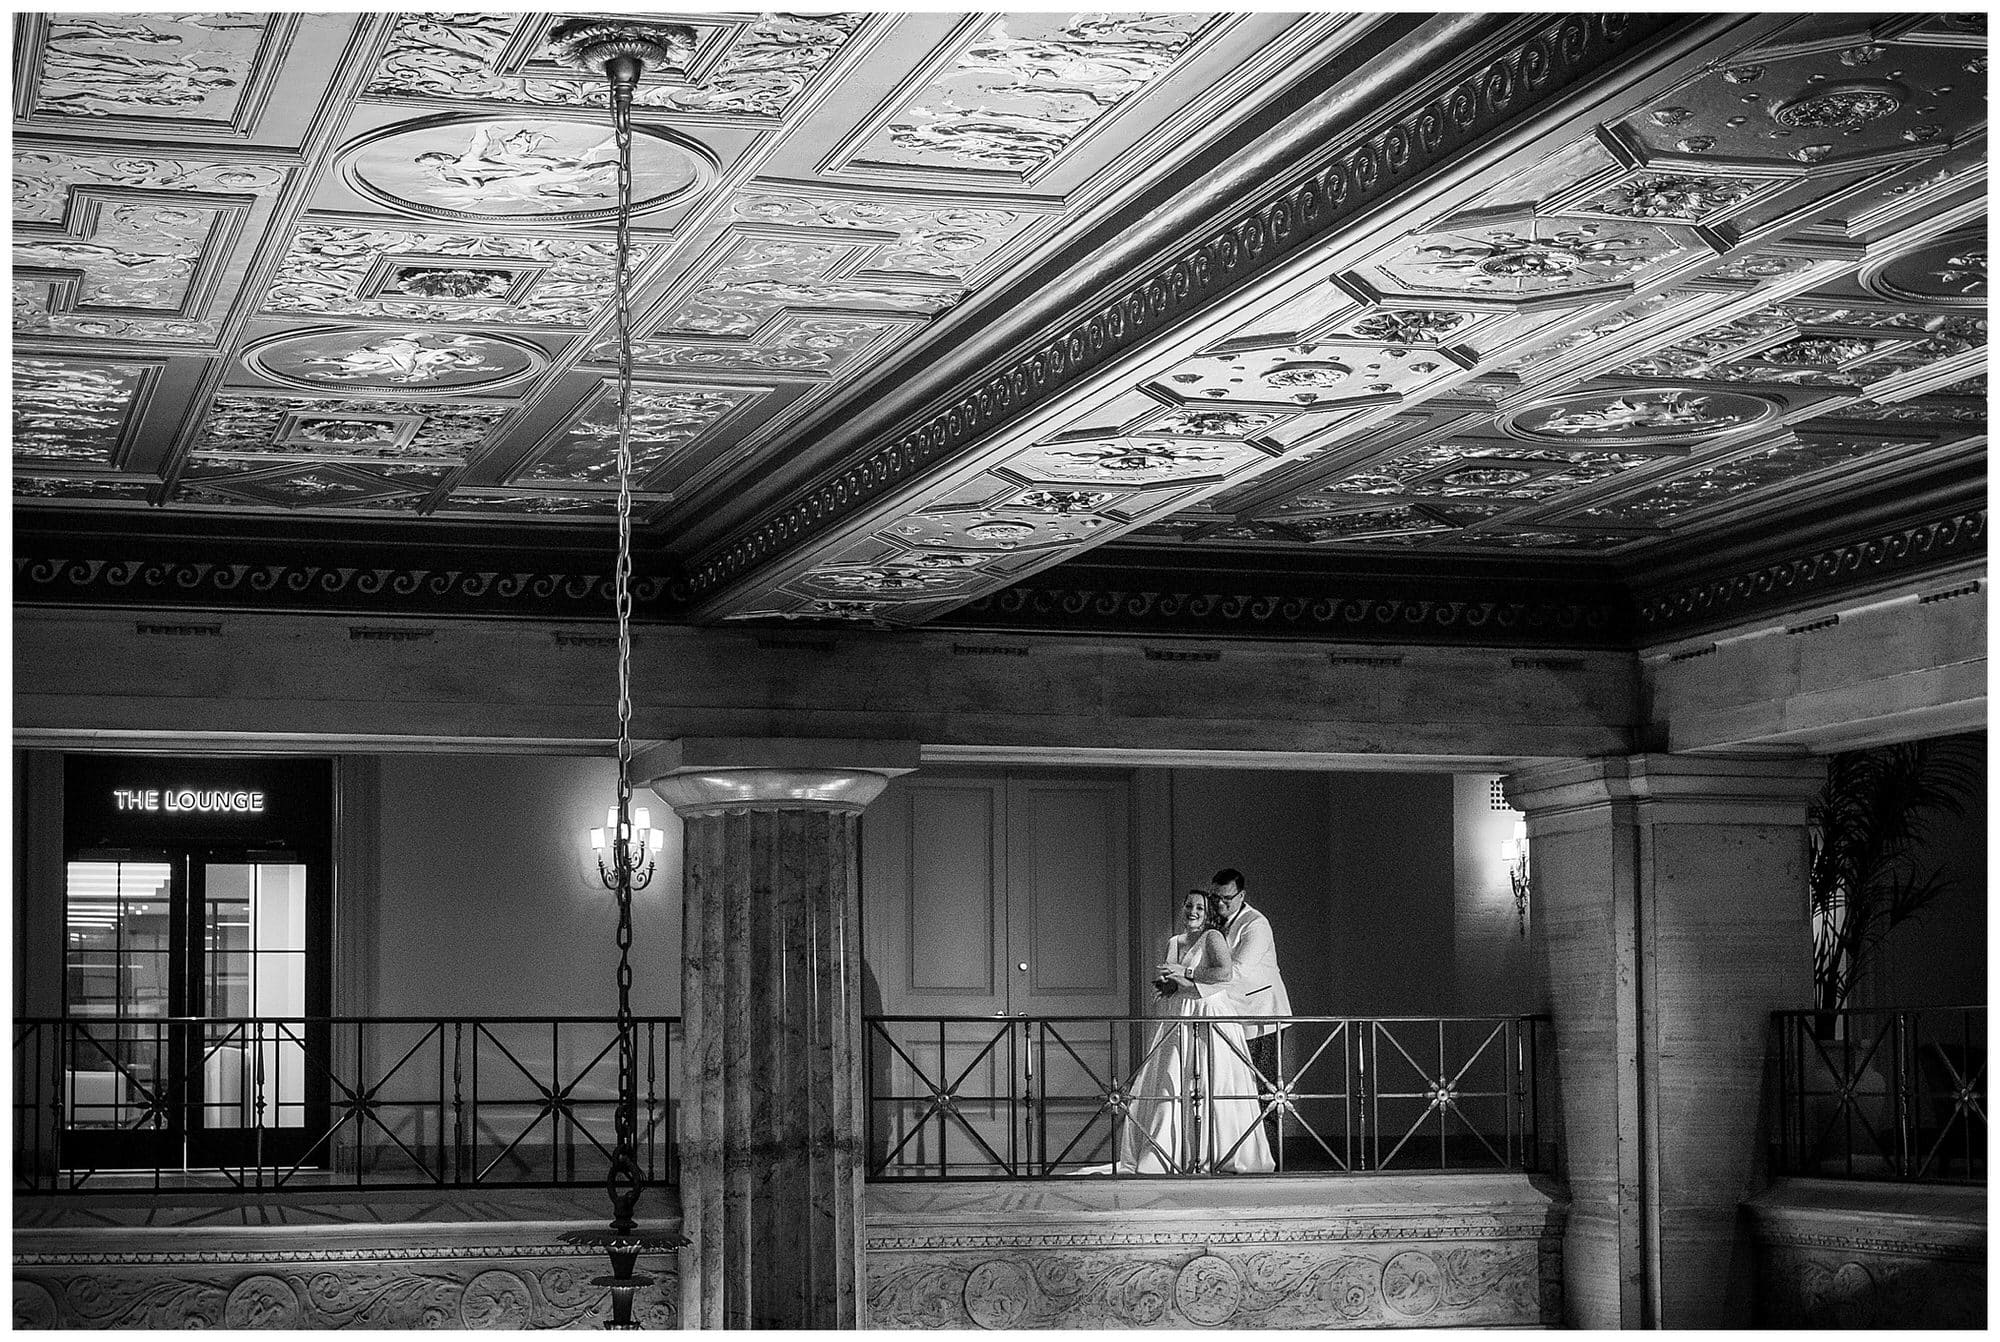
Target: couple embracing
x,y
1224,963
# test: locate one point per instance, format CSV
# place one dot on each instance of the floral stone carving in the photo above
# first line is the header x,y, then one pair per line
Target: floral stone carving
x,y
1280,1285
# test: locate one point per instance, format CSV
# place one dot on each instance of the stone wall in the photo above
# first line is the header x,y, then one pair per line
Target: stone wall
x,y
1367,1251
1845,1254
316,1266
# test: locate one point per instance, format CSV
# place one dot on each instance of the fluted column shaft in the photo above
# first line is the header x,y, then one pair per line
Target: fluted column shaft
x,y
772,1112
1670,894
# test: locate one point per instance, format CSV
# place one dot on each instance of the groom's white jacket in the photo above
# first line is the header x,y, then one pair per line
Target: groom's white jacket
x,y
1255,988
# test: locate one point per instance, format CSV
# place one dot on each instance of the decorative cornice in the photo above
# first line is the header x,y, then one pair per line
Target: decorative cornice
x,y
315,570
1234,252
1344,608
1815,575
1529,1225
366,1254
1971,1249
318,588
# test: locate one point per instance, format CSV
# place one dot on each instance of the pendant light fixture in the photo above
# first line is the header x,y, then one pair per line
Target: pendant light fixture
x,y
621,52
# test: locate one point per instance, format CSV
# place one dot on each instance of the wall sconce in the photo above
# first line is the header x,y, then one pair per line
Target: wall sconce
x,y
640,846
1514,852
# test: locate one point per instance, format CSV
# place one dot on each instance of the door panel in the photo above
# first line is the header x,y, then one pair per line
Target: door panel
x,y
989,896
1066,897
934,922
1069,907
955,912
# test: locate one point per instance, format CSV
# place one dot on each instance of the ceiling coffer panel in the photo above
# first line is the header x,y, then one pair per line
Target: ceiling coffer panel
x,y
927,303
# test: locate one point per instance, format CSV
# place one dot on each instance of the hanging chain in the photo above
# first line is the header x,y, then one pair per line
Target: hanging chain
x,y
623,1180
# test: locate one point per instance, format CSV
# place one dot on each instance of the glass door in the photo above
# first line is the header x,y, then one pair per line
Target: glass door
x,y
249,979
119,987
193,983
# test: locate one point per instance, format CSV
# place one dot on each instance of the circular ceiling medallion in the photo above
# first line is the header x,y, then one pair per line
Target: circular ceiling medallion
x,y
1950,271
480,168
1648,415
1855,103
1488,477
395,362
1306,373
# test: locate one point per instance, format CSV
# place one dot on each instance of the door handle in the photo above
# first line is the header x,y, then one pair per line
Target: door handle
x,y
1023,966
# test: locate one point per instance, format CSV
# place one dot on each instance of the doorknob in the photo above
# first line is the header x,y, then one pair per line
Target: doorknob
x,y
1024,966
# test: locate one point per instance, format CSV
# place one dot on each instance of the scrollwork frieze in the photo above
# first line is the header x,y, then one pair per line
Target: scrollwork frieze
x,y
1211,1286
1563,49
1445,619
1818,573
74,581
512,1288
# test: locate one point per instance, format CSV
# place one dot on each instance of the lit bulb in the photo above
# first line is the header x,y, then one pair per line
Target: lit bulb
x,y
597,839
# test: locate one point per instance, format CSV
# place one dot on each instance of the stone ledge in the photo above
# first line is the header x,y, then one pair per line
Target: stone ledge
x,y
1838,1253
1382,1251
332,1258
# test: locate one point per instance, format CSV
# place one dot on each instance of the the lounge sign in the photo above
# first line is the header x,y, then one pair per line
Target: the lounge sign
x,y
205,801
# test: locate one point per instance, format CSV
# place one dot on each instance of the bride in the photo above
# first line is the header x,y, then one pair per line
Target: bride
x,y
1165,1132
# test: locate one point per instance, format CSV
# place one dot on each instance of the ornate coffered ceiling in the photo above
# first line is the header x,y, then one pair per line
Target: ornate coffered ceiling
x,y
932,302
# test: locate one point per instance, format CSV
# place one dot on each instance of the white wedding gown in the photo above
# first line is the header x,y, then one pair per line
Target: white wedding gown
x,y
1190,1055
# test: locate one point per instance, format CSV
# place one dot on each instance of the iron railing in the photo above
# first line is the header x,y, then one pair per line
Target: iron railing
x,y
1025,1097
329,1101
1882,1094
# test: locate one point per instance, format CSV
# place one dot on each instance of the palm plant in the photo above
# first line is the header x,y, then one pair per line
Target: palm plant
x,y
1868,826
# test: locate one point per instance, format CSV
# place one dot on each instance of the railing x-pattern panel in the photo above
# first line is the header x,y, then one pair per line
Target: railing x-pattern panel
x,y
1024,1097
333,1100
1882,1094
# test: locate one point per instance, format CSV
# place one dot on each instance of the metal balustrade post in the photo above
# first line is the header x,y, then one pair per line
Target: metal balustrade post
x,y
460,1162
1899,1082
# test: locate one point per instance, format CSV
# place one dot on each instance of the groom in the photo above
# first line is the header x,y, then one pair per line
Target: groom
x,y
1256,985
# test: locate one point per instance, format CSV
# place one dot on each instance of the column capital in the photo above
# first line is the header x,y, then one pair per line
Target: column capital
x,y
1773,786
707,775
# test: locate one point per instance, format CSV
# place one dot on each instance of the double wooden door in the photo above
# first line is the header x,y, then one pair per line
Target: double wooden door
x,y
993,902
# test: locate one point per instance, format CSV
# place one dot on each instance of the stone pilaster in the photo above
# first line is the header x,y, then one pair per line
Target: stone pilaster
x,y
1671,893
772,1113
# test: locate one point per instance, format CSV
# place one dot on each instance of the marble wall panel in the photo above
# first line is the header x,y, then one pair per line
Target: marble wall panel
x,y
530,1286
1201,1256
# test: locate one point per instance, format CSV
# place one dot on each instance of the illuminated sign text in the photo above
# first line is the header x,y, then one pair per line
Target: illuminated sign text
x,y
208,800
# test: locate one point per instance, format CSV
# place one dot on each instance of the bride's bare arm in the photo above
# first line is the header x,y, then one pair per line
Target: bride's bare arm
x,y
1215,965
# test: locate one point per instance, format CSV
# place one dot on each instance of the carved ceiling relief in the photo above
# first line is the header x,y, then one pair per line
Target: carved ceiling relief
x,y
946,241
1787,463
1026,88
1524,258
665,420
1649,416
520,170
241,425
403,275
69,412
406,361
1468,471
1800,100
760,70
752,279
119,263
1948,272
232,484
1317,374
190,68
81,488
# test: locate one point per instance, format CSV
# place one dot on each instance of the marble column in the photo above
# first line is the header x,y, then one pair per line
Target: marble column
x,y
1671,896
771,1102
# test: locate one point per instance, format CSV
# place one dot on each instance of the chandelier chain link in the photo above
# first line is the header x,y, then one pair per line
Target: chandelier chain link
x,y
623,1178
